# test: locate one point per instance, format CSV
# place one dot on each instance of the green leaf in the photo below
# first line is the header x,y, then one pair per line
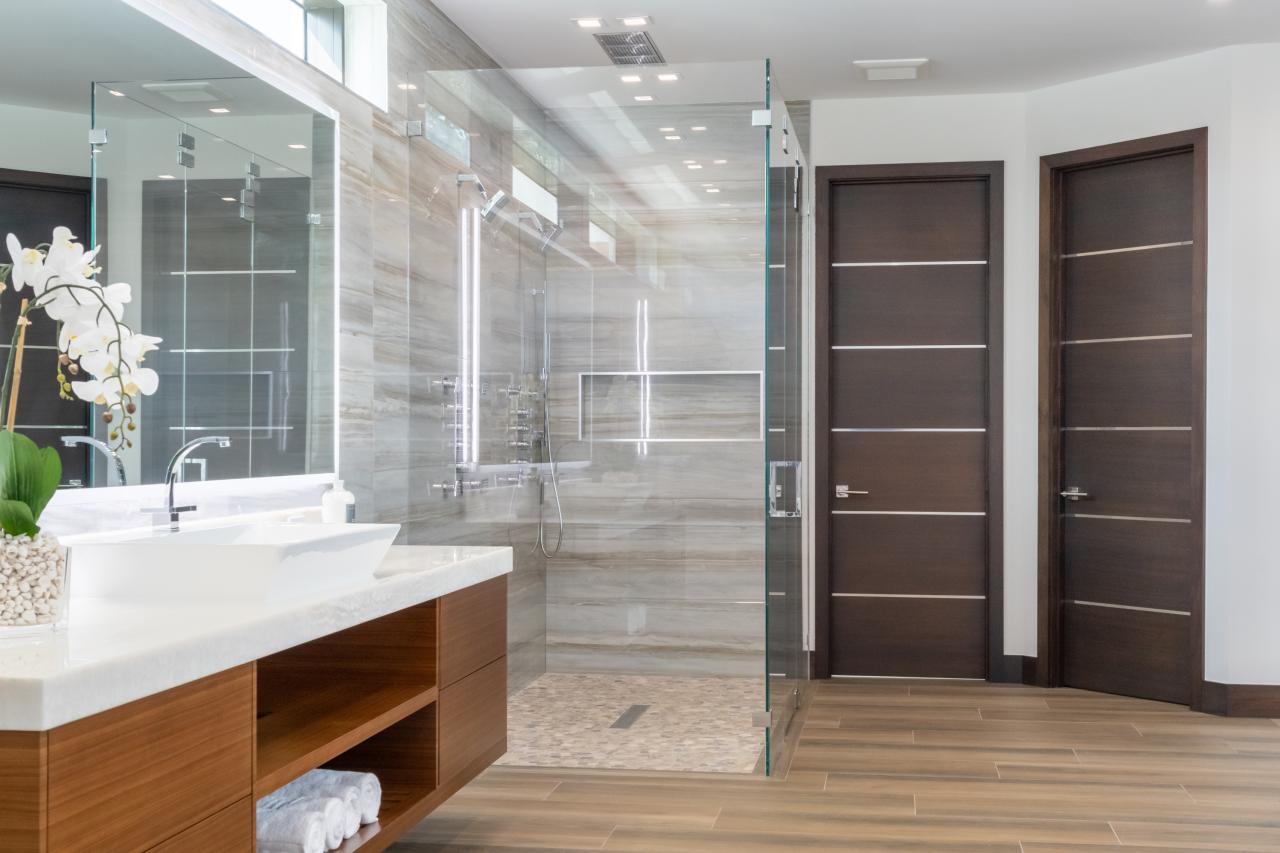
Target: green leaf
x,y
29,476
49,474
16,518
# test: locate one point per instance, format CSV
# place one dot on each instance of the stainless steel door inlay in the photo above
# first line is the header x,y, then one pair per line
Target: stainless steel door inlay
x,y
1146,248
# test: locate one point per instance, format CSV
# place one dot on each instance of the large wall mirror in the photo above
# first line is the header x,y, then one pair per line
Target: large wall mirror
x,y
212,194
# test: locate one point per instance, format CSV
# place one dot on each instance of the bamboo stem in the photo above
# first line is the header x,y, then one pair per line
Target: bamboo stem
x,y
17,365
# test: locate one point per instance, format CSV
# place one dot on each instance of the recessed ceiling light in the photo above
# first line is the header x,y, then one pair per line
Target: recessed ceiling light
x,y
695,165
297,146
228,198
166,177
117,94
669,77
719,162
712,190
699,127
671,137
219,110
690,162
892,69
635,21
589,23
631,78
666,130
407,87
726,204
644,98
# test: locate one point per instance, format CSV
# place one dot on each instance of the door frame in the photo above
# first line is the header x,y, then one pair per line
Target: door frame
x,y
1049,668
999,666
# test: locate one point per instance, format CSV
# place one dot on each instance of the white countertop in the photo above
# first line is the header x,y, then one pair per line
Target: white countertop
x,y
112,653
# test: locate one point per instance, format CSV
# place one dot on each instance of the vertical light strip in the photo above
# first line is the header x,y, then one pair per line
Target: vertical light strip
x,y
462,436
648,380
474,416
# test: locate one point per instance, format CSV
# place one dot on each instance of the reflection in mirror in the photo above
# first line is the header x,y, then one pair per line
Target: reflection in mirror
x,y
212,195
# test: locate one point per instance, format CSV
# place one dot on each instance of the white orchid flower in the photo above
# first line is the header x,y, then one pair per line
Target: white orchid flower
x,y
143,380
116,296
67,258
97,391
134,347
28,265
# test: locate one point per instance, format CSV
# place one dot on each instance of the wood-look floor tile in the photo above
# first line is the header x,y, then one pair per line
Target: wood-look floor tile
x,y
1236,796
870,803
641,840
450,828
818,752
627,807
1206,835
1121,773
829,822
1107,848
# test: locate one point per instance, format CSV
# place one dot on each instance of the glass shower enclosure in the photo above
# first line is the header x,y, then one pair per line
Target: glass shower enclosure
x,y
610,269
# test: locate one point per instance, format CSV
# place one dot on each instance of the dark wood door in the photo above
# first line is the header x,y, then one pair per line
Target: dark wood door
x,y
908,411
1128,424
32,204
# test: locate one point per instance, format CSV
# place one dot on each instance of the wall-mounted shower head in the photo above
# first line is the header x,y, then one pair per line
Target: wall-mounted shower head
x,y
495,203
468,178
550,237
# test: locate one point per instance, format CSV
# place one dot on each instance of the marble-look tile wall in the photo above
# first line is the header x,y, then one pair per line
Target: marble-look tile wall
x,y
397,301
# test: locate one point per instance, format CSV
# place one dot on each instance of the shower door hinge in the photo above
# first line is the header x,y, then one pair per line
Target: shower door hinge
x,y
761,719
415,128
186,150
762,118
98,137
315,219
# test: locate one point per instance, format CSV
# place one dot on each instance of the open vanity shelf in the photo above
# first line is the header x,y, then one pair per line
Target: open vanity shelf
x,y
417,697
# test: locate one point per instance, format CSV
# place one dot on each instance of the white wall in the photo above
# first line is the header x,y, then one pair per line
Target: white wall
x,y
1232,92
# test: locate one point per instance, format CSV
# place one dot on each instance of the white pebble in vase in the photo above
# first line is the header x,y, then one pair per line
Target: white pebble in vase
x,y
33,583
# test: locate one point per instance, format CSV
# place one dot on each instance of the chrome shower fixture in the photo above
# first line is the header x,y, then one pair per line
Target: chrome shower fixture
x,y
495,203
469,178
550,237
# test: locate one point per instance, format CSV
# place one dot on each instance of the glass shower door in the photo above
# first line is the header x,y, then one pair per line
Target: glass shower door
x,y
784,484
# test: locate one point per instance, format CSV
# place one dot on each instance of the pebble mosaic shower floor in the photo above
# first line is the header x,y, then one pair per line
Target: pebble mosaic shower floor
x,y
694,724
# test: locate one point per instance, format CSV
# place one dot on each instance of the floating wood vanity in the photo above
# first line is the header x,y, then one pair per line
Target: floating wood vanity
x,y
416,694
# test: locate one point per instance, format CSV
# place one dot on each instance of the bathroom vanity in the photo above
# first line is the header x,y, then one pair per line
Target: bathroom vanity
x,y
155,725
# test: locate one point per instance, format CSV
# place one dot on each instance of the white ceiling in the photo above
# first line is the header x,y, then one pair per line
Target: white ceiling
x,y
973,45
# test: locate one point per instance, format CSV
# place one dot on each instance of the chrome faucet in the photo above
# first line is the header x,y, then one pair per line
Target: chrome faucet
x,y
175,465
118,463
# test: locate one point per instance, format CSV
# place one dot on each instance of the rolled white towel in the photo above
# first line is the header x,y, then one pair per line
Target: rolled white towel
x,y
323,781
333,810
313,785
290,831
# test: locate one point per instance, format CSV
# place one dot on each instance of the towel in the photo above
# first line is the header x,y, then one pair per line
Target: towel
x,y
327,783
333,810
290,830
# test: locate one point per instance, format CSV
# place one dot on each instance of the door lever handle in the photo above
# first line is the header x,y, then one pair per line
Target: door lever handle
x,y
1073,493
845,492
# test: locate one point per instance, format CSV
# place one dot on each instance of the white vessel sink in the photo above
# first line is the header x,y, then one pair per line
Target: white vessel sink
x,y
262,561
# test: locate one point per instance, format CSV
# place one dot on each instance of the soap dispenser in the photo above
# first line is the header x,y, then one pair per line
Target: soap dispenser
x,y
338,506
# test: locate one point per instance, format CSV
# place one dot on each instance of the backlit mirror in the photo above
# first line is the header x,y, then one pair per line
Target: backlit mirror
x,y
212,194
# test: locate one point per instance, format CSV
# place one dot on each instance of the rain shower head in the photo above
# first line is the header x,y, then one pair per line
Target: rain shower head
x,y
493,205
550,237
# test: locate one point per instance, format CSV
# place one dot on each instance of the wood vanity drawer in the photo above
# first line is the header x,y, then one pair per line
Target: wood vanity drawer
x,y
229,831
132,777
473,629
473,721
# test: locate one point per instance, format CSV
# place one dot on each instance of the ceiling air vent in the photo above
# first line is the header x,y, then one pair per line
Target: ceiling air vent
x,y
636,48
